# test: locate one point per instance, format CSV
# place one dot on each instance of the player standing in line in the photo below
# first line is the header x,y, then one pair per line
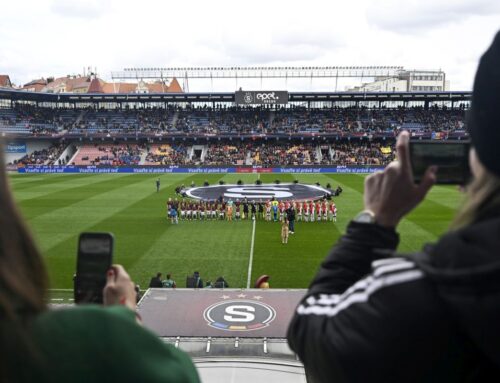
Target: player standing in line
x,y
318,211
174,219
213,213
274,205
169,208
202,211
157,185
253,208
245,209
199,210
237,210
333,212
311,211
284,231
229,215
222,208
182,208
305,207
282,210
194,211
298,208
261,210
216,208
325,210
268,211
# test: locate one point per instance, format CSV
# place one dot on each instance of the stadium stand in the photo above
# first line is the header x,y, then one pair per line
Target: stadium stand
x,y
228,121
43,157
167,155
108,155
227,154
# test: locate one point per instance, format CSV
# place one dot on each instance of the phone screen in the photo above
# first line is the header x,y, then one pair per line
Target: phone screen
x,y
95,257
451,158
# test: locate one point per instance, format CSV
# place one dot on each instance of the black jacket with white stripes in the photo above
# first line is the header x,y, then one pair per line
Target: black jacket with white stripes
x,y
371,316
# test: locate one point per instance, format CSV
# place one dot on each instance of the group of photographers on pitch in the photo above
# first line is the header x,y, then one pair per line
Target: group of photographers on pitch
x,y
369,315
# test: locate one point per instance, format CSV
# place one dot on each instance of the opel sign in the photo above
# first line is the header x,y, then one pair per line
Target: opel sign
x,y
261,97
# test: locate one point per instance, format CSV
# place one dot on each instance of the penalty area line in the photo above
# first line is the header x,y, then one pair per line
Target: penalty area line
x,y
250,261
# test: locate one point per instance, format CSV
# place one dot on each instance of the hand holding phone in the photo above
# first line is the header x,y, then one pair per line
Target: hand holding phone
x,y
95,257
119,288
450,157
392,193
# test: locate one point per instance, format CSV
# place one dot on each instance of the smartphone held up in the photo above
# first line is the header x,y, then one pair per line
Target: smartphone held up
x,y
451,158
94,259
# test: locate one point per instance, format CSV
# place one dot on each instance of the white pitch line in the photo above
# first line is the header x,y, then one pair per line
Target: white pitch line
x,y
251,255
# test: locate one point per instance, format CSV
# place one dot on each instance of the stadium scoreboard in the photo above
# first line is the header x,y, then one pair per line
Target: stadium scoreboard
x,y
260,97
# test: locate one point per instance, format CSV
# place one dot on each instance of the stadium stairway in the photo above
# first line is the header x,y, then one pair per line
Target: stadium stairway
x,y
81,116
318,155
175,118
204,152
271,118
72,159
144,154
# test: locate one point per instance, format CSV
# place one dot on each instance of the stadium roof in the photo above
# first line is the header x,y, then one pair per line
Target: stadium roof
x,y
16,95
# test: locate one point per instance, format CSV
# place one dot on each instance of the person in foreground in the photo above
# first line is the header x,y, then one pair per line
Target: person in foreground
x,y
88,343
373,316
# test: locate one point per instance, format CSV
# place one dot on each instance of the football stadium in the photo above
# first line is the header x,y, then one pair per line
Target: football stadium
x,y
159,224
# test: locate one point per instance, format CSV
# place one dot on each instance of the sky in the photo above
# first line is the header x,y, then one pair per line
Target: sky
x,y
43,38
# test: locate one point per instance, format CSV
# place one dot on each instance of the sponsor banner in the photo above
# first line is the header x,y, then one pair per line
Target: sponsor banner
x,y
203,170
241,313
15,147
260,97
254,170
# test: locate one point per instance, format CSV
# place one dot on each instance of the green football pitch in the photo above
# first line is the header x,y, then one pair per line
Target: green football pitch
x,y
59,207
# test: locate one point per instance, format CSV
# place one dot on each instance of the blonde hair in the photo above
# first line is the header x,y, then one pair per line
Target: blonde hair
x,y
483,196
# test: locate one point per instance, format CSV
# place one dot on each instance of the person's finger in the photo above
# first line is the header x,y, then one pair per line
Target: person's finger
x,y
120,271
110,277
403,151
428,180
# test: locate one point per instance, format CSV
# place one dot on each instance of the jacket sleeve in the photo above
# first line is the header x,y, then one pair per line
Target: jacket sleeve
x,y
356,317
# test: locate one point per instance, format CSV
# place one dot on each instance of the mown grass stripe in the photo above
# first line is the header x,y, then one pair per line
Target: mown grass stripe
x,y
63,199
45,191
50,179
57,225
125,220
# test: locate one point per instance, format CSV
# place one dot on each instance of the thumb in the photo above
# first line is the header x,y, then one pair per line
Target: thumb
x,y
428,180
110,277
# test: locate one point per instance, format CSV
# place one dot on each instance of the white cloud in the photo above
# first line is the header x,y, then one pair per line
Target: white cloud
x,y
423,15
85,9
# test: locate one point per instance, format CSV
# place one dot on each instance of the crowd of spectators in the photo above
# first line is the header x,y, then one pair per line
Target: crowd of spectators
x,y
167,155
272,154
357,152
362,154
234,120
116,155
49,156
227,154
